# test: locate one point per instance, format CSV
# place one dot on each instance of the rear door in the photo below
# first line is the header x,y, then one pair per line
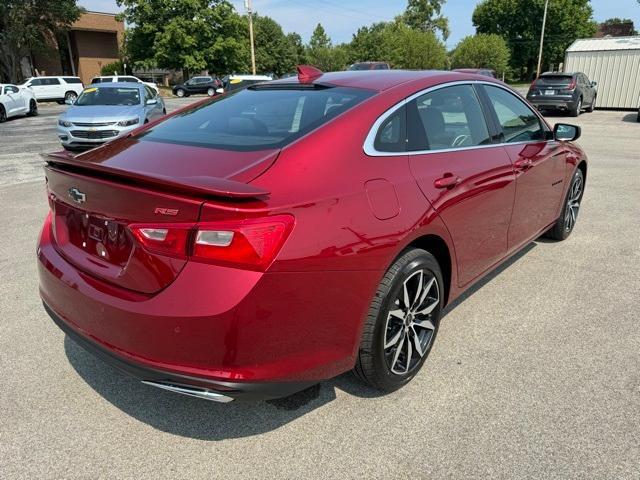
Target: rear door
x,y
54,88
467,179
538,160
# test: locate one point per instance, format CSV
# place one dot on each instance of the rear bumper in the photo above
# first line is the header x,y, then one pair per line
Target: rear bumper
x,y
540,101
225,390
260,335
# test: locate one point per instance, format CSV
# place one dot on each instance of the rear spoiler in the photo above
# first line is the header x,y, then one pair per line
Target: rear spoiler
x,y
203,185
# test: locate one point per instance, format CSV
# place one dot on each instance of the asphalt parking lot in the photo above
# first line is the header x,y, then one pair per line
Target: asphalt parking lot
x,y
535,374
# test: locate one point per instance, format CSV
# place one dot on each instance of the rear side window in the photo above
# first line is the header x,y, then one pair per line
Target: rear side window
x,y
96,80
72,80
518,122
449,117
255,119
392,135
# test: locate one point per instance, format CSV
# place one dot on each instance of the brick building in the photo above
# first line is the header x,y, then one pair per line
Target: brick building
x,y
92,42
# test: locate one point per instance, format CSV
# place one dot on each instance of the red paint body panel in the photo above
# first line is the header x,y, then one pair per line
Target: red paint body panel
x,y
300,320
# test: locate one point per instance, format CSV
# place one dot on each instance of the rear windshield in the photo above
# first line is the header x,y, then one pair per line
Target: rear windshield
x,y
256,119
109,96
554,79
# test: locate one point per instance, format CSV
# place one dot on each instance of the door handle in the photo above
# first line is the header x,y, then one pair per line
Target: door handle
x,y
524,164
449,180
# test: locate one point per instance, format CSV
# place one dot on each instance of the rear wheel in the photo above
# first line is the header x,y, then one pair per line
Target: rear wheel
x,y
402,322
569,215
33,108
70,97
575,111
3,114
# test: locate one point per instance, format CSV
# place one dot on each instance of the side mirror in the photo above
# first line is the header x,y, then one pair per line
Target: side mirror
x,y
69,101
152,101
219,90
566,133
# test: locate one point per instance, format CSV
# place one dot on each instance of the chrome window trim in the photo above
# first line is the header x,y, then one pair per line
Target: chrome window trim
x,y
369,148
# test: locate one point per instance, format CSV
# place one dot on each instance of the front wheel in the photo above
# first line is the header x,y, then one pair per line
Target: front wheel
x,y
33,108
180,92
592,107
569,215
211,92
402,322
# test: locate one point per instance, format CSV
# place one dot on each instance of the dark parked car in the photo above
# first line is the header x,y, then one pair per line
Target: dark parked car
x,y
206,85
188,256
563,91
369,66
478,71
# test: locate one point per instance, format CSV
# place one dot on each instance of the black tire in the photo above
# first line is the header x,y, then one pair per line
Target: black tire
x,y
638,117
592,107
164,111
73,96
181,93
564,225
33,108
575,111
3,114
375,363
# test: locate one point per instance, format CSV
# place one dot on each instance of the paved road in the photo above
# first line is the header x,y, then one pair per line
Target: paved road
x,y
536,374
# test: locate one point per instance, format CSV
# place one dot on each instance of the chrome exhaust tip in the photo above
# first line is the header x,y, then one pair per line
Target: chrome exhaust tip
x,y
191,391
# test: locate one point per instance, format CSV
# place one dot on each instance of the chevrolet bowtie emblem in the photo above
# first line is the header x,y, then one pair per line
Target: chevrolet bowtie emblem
x,y
76,195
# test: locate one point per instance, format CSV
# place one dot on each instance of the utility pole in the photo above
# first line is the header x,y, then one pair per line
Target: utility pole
x,y
544,24
247,4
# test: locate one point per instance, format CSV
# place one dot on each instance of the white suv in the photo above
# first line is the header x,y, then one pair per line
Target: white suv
x,y
60,89
123,78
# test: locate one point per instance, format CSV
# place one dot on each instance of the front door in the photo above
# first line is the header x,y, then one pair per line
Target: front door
x,y
539,164
469,181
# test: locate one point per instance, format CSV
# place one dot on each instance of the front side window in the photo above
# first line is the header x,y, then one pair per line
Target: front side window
x,y
518,122
445,118
109,96
51,81
256,118
36,82
11,89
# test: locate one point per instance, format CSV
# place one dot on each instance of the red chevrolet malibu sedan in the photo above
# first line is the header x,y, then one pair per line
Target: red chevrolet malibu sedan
x,y
256,243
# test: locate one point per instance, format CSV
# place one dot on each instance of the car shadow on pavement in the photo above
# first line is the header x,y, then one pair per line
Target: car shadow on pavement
x,y
203,420
631,117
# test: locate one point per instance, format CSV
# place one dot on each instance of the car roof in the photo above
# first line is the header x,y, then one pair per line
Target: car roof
x,y
117,84
380,80
250,77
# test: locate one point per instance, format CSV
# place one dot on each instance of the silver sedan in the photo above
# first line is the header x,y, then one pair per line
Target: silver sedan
x,y
107,111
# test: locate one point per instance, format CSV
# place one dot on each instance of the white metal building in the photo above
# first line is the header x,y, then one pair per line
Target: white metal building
x,y
613,62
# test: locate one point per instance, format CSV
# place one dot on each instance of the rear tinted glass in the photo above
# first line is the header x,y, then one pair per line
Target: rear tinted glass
x,y
72,79
256,119
554,80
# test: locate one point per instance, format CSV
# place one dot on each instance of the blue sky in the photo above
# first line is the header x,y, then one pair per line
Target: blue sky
x,y
341,18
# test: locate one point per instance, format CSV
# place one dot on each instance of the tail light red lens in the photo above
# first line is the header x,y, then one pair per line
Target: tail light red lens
x,y
251,244
572,84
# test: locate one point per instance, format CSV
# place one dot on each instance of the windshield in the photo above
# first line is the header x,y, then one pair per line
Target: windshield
x,y
109,96
257,119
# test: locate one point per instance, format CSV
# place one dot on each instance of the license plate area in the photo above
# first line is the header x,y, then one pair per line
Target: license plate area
x,y
549,92
95,235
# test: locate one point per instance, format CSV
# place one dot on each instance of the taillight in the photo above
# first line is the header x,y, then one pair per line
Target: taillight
x,y
572,84
251,244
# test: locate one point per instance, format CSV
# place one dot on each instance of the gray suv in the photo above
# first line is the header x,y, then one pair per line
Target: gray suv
x,y
572,92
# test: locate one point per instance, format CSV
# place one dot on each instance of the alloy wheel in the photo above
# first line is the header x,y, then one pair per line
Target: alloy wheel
x,y
573,203
71,96
410,325
180,93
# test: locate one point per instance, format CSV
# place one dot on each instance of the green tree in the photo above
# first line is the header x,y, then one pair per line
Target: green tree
x,y
406,47
366,44
425,15
322,54
482,51
31,25
185,34
275,52
519,22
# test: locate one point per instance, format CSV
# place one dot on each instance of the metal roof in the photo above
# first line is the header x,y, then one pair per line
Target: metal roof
x,y
606,43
